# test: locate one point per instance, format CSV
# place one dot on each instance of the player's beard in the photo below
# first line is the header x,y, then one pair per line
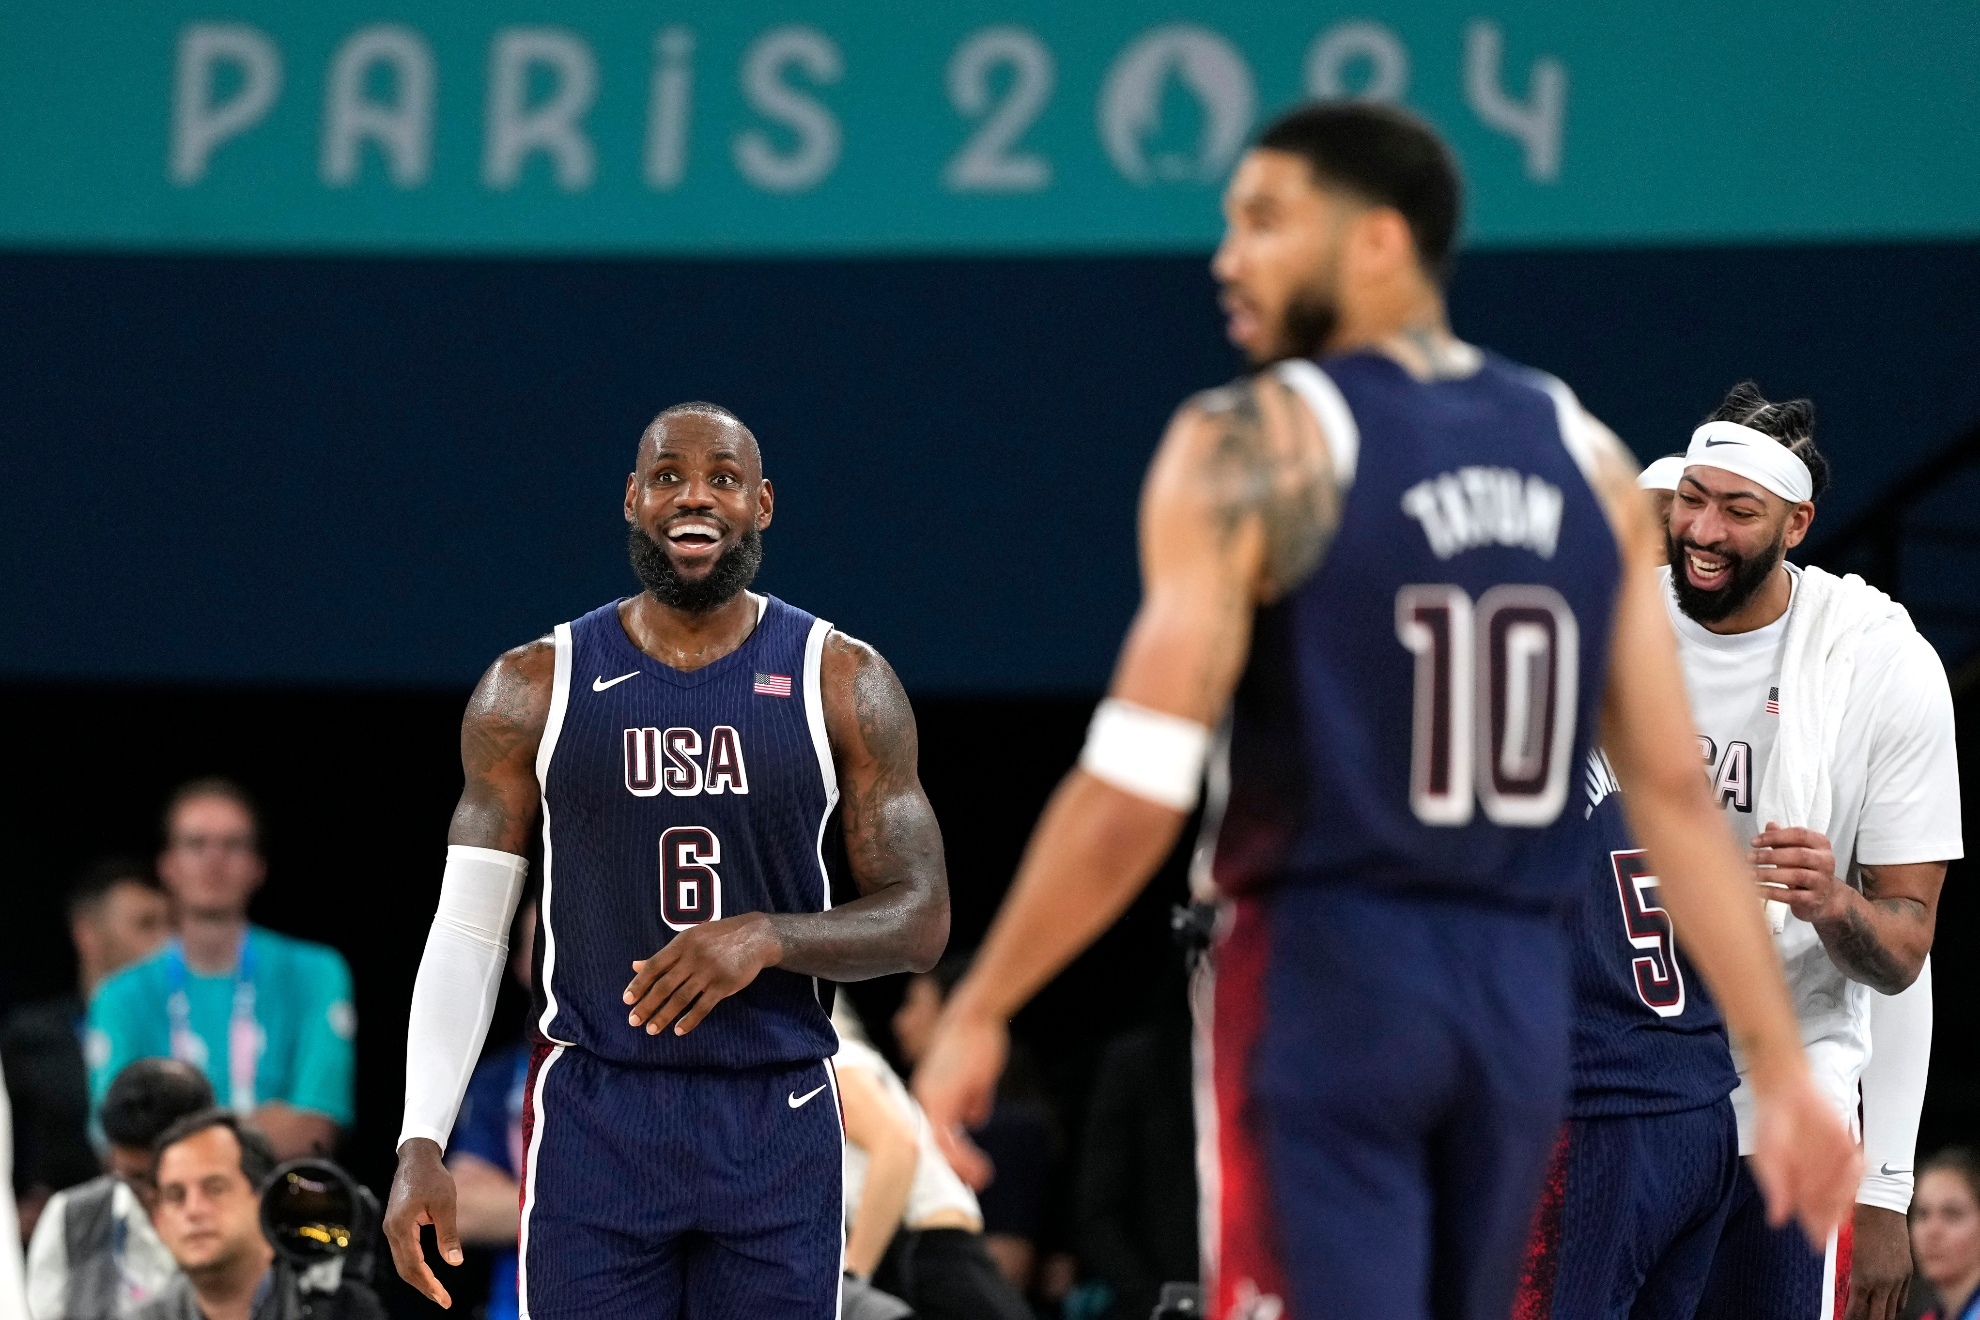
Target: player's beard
x,y
1746,577
1311,319
733,571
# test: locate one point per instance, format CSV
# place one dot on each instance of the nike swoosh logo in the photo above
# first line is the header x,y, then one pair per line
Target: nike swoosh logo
x,y
600,683
1889,1172
798,1101
1712,444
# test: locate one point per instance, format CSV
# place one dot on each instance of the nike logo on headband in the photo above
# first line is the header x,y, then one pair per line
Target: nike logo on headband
x,y
1710,444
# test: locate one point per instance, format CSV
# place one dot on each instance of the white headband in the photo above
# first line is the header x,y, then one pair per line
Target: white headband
x,y
1663,473
1752,454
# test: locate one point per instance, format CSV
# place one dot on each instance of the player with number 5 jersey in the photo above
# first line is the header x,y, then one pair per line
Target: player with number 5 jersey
x,y
686,753
1392,584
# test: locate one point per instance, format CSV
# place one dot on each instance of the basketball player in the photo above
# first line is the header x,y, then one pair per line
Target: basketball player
x,y
686,749
1412,575
1826,727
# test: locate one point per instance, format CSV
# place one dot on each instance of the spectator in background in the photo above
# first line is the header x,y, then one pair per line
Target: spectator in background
x,y
485,1153
94,1254
1018,1138
1136,1195
211,1169
1945,1232
266,1017
117,916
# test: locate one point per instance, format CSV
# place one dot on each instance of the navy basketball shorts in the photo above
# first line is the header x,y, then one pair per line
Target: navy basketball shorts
x,y
1385,1080
680,1193
1763,1273
1630,1216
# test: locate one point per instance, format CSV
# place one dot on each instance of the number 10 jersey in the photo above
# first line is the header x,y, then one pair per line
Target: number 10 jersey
x,y
1413,715
673,798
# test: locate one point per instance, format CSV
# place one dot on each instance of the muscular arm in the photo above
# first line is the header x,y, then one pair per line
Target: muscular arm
x,y
900,921
1239,506
1805,1160
1880,936
499,738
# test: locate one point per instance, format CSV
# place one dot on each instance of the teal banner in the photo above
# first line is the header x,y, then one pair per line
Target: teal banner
x,y
796,126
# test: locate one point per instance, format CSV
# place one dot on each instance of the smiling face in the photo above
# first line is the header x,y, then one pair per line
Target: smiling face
x,y
1727,536
1945,1228
697,502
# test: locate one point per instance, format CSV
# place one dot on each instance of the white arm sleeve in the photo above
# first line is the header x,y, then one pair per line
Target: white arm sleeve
x,y
1894,1091
459,976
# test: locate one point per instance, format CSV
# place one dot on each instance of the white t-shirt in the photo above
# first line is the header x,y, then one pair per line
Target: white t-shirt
x,y
936,1187
1896,799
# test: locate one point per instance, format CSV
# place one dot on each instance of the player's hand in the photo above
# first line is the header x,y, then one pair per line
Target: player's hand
x,y
1804,1159
698,969
1799,869
956,1083
422,1193
1880,1265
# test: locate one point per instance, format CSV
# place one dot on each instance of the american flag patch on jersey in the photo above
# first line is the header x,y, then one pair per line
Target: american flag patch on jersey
x,y
1773,700
773,685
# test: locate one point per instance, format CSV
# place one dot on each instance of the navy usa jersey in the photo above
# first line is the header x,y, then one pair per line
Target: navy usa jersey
x,y
1647,1037
1412,714
670,799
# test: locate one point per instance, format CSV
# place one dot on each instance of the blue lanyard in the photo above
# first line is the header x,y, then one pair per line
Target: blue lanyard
x,y
245,1038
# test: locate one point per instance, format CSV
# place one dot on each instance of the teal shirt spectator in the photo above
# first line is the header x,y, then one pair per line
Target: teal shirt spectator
x,y
301,1007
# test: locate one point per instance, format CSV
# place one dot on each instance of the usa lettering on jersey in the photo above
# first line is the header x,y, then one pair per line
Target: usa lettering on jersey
x,y
1478,506
1730,775
670,761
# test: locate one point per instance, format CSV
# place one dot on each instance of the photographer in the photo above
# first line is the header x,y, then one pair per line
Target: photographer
x,y
210,1172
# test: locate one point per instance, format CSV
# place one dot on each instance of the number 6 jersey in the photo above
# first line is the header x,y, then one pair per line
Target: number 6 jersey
x,y
1413,715
673,798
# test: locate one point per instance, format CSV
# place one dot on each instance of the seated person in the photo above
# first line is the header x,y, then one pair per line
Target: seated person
x,y
912,1227
94,1255
210,1169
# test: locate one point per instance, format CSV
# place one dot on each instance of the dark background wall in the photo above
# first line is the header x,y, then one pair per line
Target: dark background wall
x,y
382,472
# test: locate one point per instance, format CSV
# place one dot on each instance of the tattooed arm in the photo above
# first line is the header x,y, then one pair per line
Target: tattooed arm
x,y
900,922
499,738
1880,936
1239,507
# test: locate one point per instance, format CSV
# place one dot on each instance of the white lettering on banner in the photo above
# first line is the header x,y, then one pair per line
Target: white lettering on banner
x,y
1477,506
989,161
1537,124
516,129
1131,103
381,89
402,127
198,123
1334,50
668,107
817,130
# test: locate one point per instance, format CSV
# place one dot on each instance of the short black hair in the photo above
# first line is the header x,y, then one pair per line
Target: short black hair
x,y
257,1156
148,1097
210,786
1791,421
1386,156
703,408
94,885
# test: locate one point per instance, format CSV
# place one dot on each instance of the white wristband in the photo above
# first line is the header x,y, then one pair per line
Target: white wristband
x,y
459,977
1148,753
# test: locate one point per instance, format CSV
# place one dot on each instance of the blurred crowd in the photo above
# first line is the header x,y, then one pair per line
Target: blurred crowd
x,y
197,1051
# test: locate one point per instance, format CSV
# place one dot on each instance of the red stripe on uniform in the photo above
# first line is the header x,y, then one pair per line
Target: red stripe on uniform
x,y
537,1054
1247,1269
1845,1251
1541,1268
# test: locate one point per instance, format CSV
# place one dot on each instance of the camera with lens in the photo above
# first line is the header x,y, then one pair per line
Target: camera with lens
x,y
323,1225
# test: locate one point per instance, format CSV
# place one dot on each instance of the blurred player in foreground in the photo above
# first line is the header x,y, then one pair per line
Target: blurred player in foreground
x,y
684,749
1412,576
